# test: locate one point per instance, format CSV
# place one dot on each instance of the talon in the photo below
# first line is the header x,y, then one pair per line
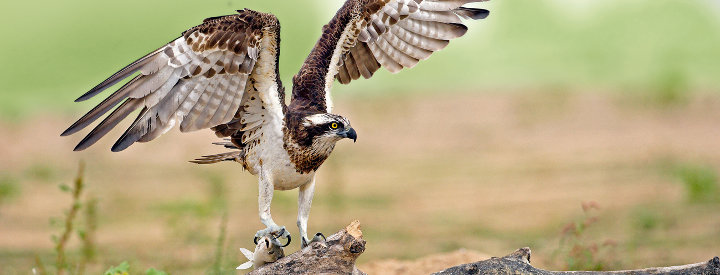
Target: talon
x,y
275,241
288,242
282,232
319,237
274,232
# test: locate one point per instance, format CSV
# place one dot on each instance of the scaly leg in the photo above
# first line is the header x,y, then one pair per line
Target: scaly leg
x,y
265,194
305,196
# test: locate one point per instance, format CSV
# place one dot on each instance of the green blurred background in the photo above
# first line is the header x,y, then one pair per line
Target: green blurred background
x,y
511,136
53,51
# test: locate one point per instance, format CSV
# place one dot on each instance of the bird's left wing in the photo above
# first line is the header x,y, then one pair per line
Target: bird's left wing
x,y
365,35
197,81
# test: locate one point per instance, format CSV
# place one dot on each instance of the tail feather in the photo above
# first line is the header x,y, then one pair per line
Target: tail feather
x,y
228,156
227,144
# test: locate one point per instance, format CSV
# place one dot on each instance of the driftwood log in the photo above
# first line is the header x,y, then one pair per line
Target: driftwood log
x,y
519,263
338,254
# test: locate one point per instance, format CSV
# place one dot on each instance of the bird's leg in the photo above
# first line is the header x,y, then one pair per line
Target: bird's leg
x,y
305,197
265,194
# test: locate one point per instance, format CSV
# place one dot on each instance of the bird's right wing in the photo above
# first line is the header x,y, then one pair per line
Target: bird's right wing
x,y
402,33
197,81
365,35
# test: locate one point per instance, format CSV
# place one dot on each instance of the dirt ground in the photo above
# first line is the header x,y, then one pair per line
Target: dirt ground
x,y
428,175
424,265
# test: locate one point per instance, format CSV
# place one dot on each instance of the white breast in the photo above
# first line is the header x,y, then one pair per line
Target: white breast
x,y
268,153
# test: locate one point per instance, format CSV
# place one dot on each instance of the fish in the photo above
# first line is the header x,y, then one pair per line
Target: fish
x,y
266,251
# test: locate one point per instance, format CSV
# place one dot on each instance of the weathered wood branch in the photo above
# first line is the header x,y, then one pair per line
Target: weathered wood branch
x,y
519,263
338,254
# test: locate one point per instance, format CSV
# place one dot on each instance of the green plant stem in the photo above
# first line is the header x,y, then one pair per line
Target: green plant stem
x,y
88,236
60,262
40,266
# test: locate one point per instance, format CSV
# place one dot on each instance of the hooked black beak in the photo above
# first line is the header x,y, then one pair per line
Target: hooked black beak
x,y
351,134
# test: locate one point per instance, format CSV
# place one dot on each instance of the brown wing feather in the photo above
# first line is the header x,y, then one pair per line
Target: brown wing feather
x,y
196,81
365,35
310,83
407,34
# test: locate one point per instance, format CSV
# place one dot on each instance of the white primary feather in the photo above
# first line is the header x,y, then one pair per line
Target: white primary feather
x,y
409,49
431,29
385,60
153,82
397,55
420,41
444,5
436,16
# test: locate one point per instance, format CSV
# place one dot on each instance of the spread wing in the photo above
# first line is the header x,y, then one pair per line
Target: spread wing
x,y
368,34
196,81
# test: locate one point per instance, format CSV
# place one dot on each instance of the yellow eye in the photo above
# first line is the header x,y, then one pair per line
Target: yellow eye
x,y
334,125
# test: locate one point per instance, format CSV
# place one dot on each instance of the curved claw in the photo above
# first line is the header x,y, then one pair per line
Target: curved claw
x,y
276,242
319,234
289,239
283,233
316,238
274,236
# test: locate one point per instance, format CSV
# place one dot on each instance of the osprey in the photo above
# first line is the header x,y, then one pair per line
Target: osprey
x,y
223,75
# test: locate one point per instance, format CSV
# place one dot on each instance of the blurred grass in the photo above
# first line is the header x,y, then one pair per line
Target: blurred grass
x,y
58,51
700,182
9,188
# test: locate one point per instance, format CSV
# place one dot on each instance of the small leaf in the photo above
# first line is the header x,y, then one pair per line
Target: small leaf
x,y
122,269
64,187
153,271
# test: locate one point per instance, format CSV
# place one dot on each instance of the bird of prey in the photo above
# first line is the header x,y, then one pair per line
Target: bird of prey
x,y
223,75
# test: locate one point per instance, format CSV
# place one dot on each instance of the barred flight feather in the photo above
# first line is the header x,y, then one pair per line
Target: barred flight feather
x,y
108,123
196,81
119,76
102,108
394,34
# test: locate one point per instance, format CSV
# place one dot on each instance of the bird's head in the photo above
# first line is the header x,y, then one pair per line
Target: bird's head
x,y
312,137
328,128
